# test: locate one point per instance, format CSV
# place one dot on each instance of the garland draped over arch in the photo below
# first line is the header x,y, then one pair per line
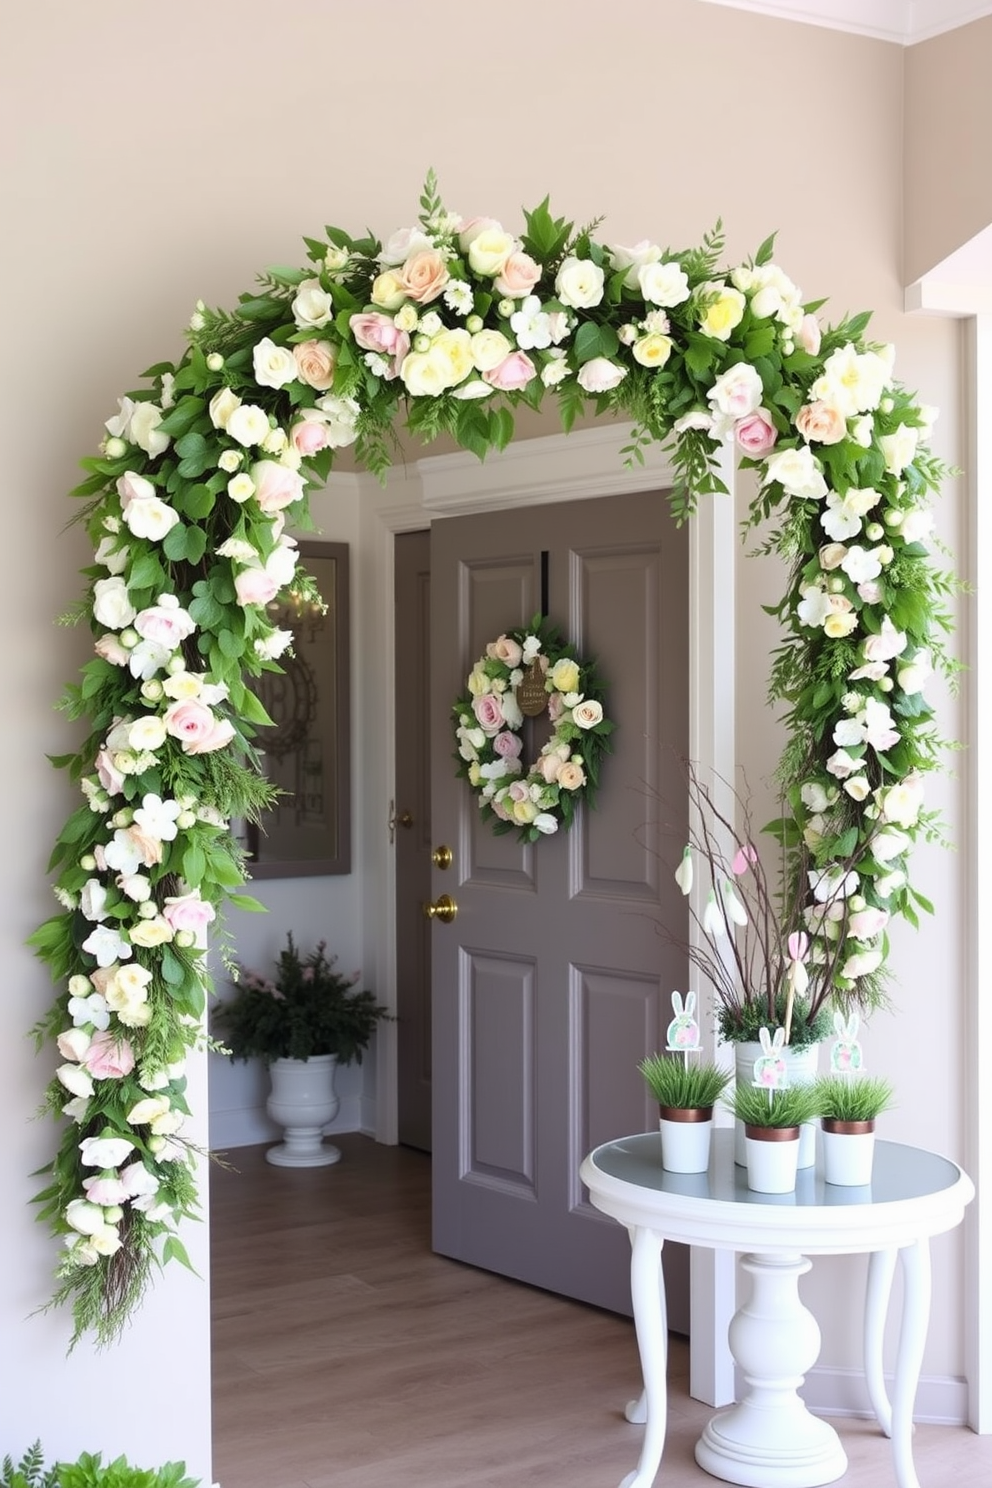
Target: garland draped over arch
x,y
450,324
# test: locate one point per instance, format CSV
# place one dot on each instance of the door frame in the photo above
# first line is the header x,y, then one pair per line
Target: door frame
x,y
585,464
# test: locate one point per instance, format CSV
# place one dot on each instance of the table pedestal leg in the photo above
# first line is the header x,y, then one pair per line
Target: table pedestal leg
x,y
770,1440
647,1293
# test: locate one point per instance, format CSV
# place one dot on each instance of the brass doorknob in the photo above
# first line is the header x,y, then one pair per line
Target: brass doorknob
x,y
442,857
444,910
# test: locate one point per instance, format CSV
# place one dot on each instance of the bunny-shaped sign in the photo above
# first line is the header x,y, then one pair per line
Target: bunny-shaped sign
x,y
769,1067
683,1031
845,1055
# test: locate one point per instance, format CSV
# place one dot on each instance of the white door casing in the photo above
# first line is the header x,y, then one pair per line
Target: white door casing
x,y
583,464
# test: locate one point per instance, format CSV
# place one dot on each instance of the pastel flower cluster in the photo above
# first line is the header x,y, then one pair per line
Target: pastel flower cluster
x,y
194,496
533,799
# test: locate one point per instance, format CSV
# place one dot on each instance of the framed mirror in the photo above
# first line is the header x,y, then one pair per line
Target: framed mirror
x,y
306,752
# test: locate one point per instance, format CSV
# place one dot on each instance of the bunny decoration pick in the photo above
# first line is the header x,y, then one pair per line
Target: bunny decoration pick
x,y
769,1068
845,1055
683,1030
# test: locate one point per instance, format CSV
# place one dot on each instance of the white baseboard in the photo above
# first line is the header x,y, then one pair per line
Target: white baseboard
x,y
940,1400
249,1126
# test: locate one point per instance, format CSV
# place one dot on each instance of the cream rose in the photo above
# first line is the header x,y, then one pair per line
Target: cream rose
x,y
274,366
565,675
663,284
423,277
489,250
315,364
721,310
387,292
587,714
111,605
248,424
822,422
652,350
312,306
579,283
489,349
571,776
222,405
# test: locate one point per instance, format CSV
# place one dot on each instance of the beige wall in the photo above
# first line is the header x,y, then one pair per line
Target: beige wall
x,y
156,155
948,182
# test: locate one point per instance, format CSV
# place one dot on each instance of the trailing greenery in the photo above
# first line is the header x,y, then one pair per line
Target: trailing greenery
x,y
853,1098
306,1009
683,1085
89,1471
759,1106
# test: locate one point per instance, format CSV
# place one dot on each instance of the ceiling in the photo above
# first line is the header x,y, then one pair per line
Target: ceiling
x,y
902,21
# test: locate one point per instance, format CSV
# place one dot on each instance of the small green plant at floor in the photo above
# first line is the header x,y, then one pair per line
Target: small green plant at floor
x,y
758,1105
859,1099
686,1086
89,1471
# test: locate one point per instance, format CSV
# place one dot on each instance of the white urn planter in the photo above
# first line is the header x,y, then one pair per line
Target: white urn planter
x,y
303,1101
685,1138
771,1154
848,1151
800,1070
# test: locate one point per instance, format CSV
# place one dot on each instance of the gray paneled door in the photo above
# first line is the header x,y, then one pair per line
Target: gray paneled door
x,y
553,982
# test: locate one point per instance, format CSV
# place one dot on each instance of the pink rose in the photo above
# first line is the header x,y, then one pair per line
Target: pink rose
x,y
489,712
507,745
518,276
188,912
110,648
424,276
276,486
253,586
108,1057
506,650
555,707
109,776
600,374
809,334
549,766
821,422
756,434
379,333
315,363
188,720
165,622
218,738
518,791
104,1191
514,372
470,230
310,434
149,849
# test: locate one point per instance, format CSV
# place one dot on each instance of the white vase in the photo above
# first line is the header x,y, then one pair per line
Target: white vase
x,y
848,1151
685,1138
801,1069
771,1154
303,1101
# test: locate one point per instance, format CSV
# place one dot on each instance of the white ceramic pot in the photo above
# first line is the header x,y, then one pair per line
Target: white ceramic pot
x,y
771,1154
303,1101
801,1066
685,1138
848,1151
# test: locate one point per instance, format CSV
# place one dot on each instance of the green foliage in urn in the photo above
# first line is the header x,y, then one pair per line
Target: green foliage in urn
x,y
685,1086
856,1098
306,1009
742,1022
789,1106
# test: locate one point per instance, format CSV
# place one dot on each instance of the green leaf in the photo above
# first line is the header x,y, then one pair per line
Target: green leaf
x,y
247,902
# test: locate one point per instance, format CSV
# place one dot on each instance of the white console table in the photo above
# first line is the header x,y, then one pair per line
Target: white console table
x,y
769,1439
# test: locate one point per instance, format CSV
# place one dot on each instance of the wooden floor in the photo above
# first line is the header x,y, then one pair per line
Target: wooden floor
x,y
345,1353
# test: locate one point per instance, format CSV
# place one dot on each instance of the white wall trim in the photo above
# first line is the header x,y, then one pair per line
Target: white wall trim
x,y
902,21
583,465
940,1400
933,296
978,877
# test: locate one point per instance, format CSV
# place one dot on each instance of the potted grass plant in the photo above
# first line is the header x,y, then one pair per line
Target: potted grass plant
x,y
686,1093
848,1108
90,1471
772,1120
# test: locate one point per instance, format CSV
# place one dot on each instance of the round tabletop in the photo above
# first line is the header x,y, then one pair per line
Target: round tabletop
x,y
913,1193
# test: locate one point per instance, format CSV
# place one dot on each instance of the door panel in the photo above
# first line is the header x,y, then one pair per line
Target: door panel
x,y
412,838
553,981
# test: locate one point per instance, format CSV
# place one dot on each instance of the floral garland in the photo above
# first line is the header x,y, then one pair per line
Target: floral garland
x,y
488,721
450,323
